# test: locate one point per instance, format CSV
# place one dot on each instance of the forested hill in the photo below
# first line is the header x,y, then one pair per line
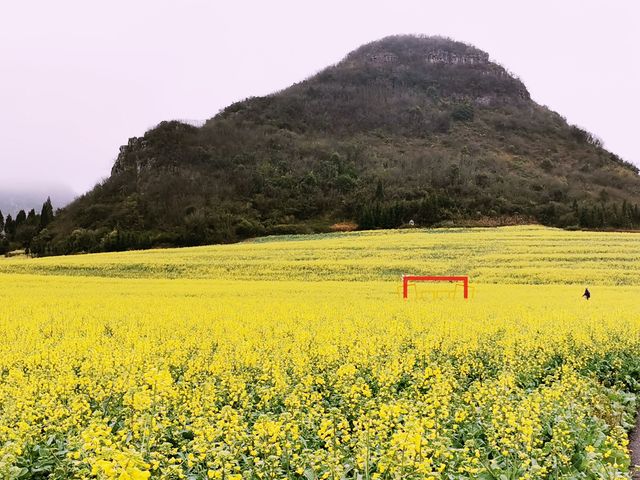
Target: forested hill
x,y
405,128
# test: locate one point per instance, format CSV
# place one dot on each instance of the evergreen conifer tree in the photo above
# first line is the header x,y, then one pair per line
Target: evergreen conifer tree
x,y
46,215
21,217
9,227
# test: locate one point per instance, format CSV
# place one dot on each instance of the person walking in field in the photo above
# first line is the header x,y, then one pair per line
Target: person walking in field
x,y
586,294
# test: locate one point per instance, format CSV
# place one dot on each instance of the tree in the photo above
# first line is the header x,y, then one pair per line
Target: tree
x,y
379,195
21,217
1,222
46,215
31,216
463,112
10,227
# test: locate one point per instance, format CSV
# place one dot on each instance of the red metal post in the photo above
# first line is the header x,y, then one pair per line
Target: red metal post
x,y
405,289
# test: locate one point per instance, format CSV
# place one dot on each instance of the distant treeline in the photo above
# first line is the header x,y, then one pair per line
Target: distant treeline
x,y
29,230
20,232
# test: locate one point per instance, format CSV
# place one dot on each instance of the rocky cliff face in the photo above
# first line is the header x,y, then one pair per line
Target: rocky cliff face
x,y
439,63
433,56
161,147
127,156
444,56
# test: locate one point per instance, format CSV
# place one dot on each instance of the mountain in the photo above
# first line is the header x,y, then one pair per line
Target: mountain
x,y
405,128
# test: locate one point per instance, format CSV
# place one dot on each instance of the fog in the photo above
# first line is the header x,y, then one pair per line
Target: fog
x,y
79,78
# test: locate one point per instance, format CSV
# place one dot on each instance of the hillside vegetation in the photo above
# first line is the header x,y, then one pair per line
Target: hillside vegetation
x,y
406,128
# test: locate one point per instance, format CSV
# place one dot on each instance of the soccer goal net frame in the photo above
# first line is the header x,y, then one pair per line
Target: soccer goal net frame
x,y
407,279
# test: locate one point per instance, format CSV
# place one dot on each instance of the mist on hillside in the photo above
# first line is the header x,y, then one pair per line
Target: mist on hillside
x,y
16,196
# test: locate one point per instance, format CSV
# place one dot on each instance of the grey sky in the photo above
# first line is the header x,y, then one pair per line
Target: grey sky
x,y
77,78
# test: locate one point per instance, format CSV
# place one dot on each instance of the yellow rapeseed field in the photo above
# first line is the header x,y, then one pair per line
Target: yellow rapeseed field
x,y
297,358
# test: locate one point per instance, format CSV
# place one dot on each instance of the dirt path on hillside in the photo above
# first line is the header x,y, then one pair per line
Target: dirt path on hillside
x,y
634,449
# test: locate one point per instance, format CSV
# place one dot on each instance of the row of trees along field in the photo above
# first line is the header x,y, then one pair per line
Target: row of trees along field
x,y
19,232
29,231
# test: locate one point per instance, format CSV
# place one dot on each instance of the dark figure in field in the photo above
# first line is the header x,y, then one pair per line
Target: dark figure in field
x,y
586,294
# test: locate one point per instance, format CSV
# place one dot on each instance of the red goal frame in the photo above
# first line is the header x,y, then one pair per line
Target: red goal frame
x,y
433,278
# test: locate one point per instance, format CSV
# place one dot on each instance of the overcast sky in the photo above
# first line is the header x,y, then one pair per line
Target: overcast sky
x,y
78,78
